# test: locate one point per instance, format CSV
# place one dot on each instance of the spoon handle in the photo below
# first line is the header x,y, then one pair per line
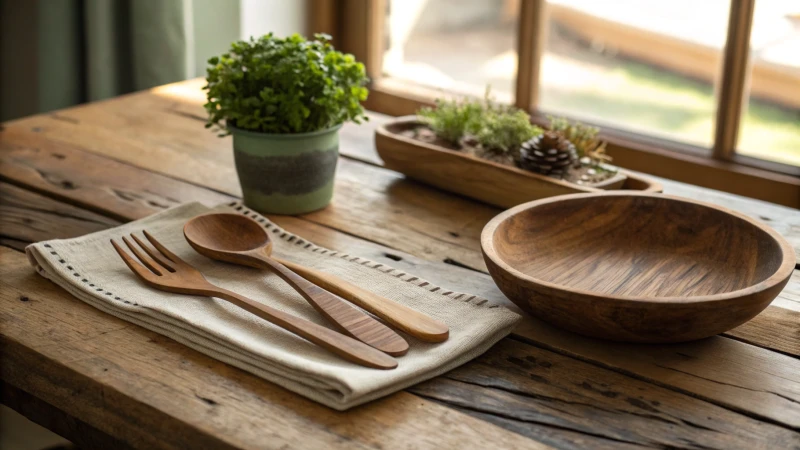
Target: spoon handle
x,y
400,316
350,320
344,346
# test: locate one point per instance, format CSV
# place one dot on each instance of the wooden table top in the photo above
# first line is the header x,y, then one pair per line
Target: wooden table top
x,y
105,383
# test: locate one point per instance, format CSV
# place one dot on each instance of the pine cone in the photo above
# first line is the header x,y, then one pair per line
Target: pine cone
x,y
548,154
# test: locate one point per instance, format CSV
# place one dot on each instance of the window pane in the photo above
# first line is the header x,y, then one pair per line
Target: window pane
x,y
647,66
455,45
771,124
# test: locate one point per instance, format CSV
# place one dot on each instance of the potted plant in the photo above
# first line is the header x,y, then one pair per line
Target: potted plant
x,y
284,100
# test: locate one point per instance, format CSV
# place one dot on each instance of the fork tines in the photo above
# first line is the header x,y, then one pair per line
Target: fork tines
x,y
155,262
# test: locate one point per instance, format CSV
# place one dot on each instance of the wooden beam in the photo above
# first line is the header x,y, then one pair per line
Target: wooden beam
x,y
734,79
322,17
531,37
362,33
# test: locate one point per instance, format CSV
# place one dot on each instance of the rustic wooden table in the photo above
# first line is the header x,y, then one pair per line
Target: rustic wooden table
x,y
104,383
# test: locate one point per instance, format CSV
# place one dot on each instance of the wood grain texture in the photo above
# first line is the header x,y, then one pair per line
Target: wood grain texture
x,y
152,392
167,272
383,207
473,177
448,275
432,225
90,181
790,296
741,377
146,128
529,390
410,321
27,217
241,240
774,328
347,318
743,385
636,267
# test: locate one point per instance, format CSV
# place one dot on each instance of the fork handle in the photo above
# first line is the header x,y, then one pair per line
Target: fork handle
x,y
350,320
346,347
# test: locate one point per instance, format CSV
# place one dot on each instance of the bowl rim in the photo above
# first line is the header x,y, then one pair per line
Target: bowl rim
x,y
781,274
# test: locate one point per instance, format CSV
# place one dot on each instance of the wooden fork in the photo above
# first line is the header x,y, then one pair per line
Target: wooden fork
x,y
167,272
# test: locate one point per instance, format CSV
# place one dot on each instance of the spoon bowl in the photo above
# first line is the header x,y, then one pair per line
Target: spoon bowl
x,y
219,235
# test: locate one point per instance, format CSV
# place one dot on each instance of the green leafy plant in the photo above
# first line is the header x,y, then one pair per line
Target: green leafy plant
x,y
505,129
284,85
451,120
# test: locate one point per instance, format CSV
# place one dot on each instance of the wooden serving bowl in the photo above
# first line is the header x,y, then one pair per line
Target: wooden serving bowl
x,y
636,267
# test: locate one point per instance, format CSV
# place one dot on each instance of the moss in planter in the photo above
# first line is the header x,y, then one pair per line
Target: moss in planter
x,y
502,132
452,120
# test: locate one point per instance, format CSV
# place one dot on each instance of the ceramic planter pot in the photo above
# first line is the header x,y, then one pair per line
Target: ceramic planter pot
x,y
286,173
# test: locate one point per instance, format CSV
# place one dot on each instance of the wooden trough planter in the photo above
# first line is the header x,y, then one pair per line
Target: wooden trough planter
x,y
473,177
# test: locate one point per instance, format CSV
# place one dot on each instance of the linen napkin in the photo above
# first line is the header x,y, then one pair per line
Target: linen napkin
x,y
90,269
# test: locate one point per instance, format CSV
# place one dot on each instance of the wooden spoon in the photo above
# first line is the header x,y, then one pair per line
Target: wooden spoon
x,y
232,238
241,240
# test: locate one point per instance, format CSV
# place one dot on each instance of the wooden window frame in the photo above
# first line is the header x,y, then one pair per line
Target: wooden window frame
x,y
357,27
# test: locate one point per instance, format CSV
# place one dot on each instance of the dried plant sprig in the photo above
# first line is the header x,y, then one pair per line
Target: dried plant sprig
x,y
599,153
584,137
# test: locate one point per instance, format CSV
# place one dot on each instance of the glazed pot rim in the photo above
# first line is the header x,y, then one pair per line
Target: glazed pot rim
x,y
780,275
236,130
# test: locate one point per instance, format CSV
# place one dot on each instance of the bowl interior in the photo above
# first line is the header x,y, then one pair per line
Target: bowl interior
x,y
637,246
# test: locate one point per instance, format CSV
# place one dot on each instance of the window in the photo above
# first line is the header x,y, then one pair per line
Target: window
x,y
644,69
421,36
771,117
705,92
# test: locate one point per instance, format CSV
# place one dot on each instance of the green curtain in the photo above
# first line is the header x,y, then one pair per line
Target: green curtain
x,y
58,53
132,45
